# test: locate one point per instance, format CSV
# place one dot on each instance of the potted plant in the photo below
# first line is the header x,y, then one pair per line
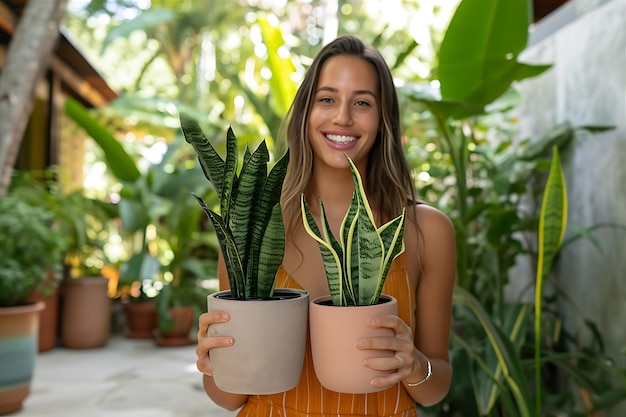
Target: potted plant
x,y
167,250
30,247
170,249
86,306
83,224
268,324
356,266
36,188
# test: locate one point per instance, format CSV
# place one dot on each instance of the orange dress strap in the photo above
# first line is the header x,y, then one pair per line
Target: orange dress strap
x,y
310,399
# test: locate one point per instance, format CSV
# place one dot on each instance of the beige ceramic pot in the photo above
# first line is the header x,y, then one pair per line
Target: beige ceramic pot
x,y
334,332
270,342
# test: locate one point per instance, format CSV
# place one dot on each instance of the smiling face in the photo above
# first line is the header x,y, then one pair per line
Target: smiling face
x,y
345,114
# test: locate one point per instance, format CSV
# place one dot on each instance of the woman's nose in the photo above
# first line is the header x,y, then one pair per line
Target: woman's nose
x,y
343,116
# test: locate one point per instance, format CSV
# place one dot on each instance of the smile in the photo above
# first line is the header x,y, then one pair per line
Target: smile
x,y
341,139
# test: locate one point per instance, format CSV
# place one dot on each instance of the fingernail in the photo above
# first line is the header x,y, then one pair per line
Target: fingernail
x,y
359,344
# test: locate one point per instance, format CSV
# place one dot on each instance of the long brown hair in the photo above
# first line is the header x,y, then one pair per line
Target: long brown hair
x,y
388,178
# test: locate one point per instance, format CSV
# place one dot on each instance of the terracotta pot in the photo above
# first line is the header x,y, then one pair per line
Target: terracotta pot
x,y
334,332
86,313
141,319
179,335
18,350
48,319
48,293
270,342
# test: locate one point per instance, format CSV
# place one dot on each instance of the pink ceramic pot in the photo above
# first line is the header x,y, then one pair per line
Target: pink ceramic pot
x,y
334,332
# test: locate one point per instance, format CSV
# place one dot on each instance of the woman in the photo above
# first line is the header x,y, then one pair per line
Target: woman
x,y
347,104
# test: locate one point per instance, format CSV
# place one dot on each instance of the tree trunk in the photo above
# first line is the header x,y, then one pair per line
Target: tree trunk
x,y
27,59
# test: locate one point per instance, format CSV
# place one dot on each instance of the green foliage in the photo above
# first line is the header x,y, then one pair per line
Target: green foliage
x,y
486,180
117,159
478,69
249,227
85,224
552,223
480,173
357,264
30,244
170,250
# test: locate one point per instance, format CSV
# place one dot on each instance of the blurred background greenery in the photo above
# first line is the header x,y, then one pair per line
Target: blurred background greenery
x,y
239,63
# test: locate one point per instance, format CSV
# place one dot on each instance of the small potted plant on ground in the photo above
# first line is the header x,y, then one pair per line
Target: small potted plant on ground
x,y
356,266
38,188
30,247
268,324
86,306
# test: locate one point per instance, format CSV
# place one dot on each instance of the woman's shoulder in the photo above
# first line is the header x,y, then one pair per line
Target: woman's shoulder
x,y
428,217
432,223
429,233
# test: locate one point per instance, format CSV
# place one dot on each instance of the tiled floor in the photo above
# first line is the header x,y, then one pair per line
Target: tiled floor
x,y
126,378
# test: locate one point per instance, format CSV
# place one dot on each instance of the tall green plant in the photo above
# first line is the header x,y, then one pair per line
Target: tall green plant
x,y
249,227
552,224
508,374
158,199
357,264
474,71
506,367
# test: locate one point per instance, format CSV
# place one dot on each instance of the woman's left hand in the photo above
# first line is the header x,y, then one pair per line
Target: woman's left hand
x,y
403,362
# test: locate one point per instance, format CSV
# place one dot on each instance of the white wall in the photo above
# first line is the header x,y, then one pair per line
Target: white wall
x,y
586,43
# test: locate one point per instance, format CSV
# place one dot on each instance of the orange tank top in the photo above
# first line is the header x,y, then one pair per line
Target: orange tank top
x,y
310,398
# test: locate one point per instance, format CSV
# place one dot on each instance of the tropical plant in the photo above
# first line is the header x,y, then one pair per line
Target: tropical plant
x,y
250,226
357,264
30,246
169,249
507,379
506,369
485,179
85,223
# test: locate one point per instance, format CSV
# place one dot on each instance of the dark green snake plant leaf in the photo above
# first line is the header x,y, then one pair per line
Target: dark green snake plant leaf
x,y
249,227
356,265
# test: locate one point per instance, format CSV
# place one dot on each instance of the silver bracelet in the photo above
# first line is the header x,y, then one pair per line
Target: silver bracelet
x,y
429,372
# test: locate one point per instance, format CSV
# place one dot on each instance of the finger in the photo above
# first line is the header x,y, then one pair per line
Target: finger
x,y
384,363
206,319
204,346
379,343
207,343
391,322
387,381
204,365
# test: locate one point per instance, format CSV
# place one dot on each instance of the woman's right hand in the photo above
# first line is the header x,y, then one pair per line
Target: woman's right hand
x,y
206,343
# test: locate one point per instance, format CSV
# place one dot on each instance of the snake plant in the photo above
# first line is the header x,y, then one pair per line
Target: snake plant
x,y
250,226
357,264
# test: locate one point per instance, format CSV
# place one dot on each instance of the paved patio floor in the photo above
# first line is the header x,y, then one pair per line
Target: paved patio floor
x,y
123,379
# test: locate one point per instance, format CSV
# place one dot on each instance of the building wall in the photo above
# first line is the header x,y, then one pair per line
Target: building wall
x,y
586,43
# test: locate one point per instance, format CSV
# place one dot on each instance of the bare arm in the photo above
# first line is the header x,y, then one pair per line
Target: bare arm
x,y
224,399
433,315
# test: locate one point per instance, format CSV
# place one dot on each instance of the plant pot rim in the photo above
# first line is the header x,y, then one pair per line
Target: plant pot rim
x,y
23,308
225,295
85,280
322,300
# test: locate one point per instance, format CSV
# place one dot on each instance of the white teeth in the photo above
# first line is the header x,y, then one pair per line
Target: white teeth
x,y
341,139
